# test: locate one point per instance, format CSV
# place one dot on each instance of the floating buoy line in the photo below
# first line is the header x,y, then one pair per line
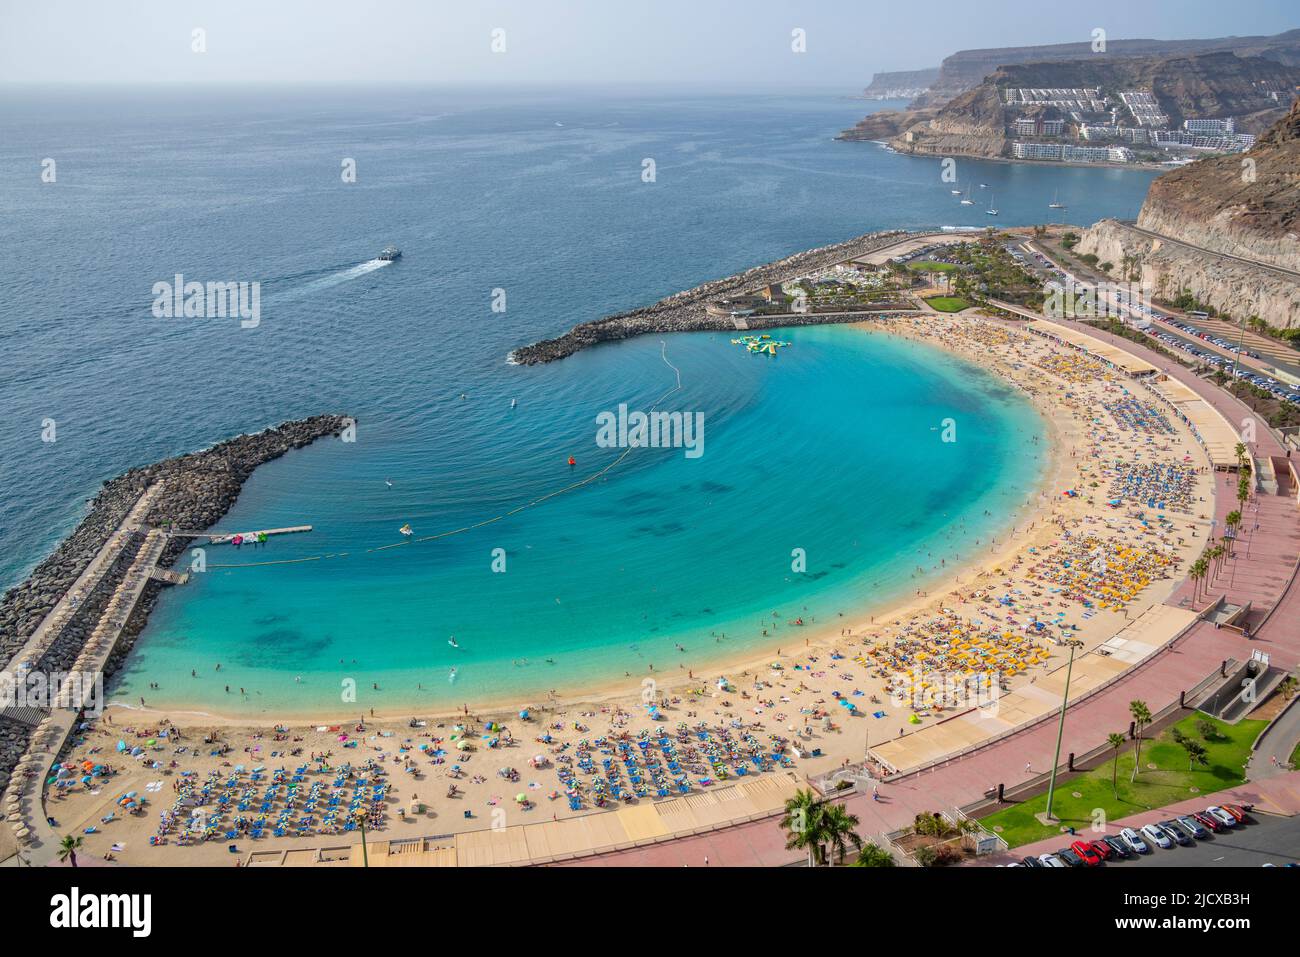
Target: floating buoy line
x,y
409,535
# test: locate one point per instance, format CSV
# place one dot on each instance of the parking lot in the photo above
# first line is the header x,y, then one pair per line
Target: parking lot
x,y
1262,839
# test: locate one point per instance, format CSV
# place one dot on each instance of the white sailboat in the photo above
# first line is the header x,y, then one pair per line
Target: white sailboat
x,y
1056,201
955,192
966,200
992,210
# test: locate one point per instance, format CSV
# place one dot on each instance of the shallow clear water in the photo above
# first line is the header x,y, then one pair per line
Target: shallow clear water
x,y
828,447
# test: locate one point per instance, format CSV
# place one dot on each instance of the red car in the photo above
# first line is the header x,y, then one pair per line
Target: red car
x,y
1104,850
1206,821
1235,810
1085,851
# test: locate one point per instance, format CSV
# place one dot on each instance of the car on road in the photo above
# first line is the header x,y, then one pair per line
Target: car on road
x,y
1205,820
1177,833
1049,860
1193,827
1219,814
1116,844
1156,835
1135,843
1084,851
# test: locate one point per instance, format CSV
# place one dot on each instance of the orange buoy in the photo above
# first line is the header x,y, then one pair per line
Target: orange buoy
x,y
572,460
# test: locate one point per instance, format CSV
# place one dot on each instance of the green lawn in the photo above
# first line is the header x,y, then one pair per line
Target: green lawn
x,y
948,303
1168,783
929,265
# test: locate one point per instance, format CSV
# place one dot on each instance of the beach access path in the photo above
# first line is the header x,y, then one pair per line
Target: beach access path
x,y
1263,572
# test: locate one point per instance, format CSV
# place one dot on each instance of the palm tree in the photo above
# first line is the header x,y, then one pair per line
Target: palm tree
x,y
1287,689
840,830
1240,452
873,855
803,824
1141,718
1116,741
68,849
1197,572
1232,520
1195,752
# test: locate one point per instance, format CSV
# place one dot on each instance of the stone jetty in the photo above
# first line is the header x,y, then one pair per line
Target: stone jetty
x,y
193,491
684,311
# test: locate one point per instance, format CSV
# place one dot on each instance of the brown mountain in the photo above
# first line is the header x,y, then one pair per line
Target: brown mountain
x,y
964,70
1246,205
1210,85
1236,222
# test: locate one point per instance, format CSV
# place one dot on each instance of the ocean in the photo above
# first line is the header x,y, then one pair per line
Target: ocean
x,y
518,215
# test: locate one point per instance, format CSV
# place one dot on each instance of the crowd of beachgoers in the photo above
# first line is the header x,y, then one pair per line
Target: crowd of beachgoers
x,y
1125,505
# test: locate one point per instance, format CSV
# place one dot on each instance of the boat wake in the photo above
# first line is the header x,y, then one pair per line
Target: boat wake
x,y
334,279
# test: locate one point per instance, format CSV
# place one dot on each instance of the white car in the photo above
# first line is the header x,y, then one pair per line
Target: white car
x,y
1222,816
1050,860
1135,843
1157,836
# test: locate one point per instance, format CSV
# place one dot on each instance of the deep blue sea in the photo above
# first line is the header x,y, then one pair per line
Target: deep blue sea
x,y
831,447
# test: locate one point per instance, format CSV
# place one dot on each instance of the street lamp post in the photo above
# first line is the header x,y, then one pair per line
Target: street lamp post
x,y
1060,727
361,823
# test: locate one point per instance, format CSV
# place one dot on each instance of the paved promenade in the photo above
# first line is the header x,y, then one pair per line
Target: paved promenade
x,y
24,802
52,624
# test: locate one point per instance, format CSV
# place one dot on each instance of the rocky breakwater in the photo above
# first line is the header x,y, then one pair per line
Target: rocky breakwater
x,y
197,490
685,312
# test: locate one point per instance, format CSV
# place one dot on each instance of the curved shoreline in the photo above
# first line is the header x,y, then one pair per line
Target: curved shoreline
x,y
759,698
821,632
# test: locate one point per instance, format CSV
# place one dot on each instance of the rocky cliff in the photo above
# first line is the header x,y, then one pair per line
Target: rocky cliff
x,y
1246,205
1207,85
900,85
884,125
1232,287
966,69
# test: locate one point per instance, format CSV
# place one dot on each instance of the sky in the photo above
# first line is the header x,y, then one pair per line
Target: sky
x,y
595,43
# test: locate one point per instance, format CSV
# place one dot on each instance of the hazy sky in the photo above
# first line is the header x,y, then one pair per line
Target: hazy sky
x,y
708,43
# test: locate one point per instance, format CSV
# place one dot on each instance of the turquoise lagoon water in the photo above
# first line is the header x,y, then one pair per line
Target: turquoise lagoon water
x,y
830,447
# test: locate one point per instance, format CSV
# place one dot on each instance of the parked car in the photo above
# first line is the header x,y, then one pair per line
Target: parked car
x,y
1102,850
1177,833
1219,814
1156,835
1049,860
1070,858
1205,820
1236,811
1193,827
1032,862
1116,844
1083,850
1135,843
